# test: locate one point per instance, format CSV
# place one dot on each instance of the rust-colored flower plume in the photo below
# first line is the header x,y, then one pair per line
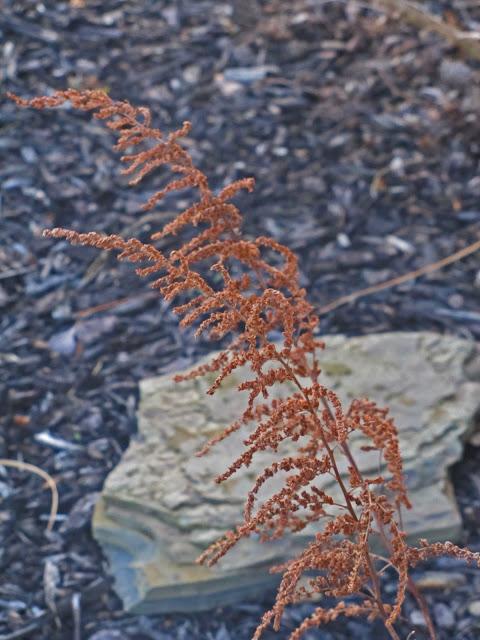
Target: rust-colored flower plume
x,y
247,293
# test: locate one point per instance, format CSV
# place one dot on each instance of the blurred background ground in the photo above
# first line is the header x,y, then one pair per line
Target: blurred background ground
x,y
363,136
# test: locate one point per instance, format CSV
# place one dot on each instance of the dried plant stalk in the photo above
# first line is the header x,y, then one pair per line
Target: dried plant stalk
x,y
249,291
49,481
468,42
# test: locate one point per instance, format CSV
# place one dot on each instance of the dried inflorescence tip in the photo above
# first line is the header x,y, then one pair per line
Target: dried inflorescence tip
x,y
249,291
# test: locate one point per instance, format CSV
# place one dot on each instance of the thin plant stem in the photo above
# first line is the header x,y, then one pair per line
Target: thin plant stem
x,y
348,502
25,466
393,282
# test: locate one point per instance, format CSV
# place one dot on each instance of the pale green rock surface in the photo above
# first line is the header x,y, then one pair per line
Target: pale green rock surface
x,y
160,508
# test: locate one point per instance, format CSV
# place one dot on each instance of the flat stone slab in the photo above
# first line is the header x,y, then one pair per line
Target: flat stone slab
x,y
160,507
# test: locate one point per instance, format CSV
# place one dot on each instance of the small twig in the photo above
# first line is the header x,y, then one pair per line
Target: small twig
x,y
423,606
112,304
393,282
467,41
25,466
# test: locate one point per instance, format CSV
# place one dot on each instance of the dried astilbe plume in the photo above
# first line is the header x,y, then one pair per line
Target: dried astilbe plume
x,y
248,291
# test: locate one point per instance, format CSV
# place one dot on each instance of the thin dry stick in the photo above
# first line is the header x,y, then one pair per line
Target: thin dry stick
x,y
467,41
25,466
393,282
106,306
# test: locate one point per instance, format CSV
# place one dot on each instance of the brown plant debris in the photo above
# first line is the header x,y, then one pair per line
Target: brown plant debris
x,y
249,291
412,12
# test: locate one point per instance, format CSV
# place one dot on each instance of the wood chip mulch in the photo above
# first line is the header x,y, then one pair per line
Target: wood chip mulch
x,y
364,138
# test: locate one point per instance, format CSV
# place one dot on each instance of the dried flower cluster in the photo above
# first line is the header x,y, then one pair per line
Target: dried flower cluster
x,y
248,291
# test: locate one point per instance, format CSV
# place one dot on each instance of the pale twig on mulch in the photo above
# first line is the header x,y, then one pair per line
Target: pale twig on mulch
x,y
467,41
393,282
25,466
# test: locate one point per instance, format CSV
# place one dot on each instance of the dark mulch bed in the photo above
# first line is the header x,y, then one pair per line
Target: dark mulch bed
x,y
364,139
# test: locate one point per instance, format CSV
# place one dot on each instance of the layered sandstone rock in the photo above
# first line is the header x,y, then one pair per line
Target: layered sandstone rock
x,y
160,508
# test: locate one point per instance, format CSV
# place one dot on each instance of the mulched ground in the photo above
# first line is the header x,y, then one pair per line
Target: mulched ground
x,y
364,138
